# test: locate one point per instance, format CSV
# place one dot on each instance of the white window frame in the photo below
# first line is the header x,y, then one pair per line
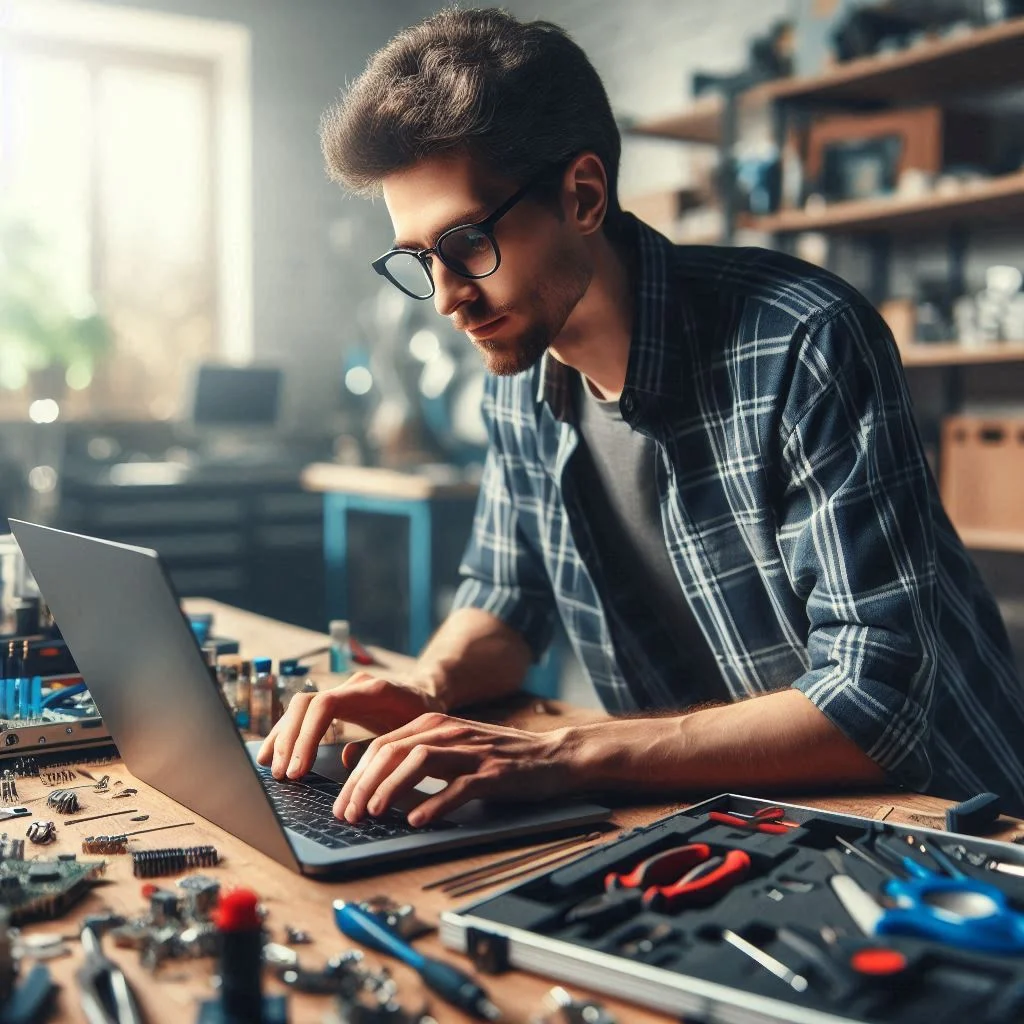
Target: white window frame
x,y
227,47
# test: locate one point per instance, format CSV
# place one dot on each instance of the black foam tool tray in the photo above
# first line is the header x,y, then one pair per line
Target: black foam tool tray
x,y
678,961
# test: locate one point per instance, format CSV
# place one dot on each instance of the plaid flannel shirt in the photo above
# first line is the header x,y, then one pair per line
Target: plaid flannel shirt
x,y
800,515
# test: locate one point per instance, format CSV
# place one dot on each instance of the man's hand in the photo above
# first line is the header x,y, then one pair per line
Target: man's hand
x,y
477,760
368,701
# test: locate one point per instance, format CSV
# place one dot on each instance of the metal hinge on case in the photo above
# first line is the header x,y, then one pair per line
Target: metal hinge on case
x,y
489,952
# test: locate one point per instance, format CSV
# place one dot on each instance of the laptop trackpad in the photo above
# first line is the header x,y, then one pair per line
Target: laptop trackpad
x,y
328,763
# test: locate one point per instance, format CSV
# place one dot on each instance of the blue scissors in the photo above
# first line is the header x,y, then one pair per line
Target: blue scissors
x,y
951,908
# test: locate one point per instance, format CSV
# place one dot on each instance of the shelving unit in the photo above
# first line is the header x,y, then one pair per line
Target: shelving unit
x,y
988,200
952,353
981,60
936,71
701,121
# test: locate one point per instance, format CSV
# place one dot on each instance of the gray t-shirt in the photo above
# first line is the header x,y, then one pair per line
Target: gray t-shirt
x,y
615,472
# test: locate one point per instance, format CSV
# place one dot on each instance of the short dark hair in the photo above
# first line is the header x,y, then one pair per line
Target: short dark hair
x,y
518,96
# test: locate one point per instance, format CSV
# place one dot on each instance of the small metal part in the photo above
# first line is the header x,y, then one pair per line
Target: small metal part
x,y
119,843
126,792
643,939
103,785
975,859
296,936
200,939
342,975
797,982
399,917
171,860
866,857
42,832
57,777
140,817
796,885
774,894
279,956
202,894
164,907
63,801
42,946
559,1007
9,788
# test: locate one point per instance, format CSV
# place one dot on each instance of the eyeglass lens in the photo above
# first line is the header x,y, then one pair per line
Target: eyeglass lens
x,y
409,274
468,251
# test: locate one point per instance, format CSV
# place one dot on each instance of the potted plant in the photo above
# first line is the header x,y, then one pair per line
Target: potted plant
x,y
43,342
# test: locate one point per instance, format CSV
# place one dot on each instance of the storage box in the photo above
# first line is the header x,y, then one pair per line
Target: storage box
x,y
982,478
684,966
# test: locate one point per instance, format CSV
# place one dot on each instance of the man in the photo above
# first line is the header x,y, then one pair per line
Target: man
x,y
703,460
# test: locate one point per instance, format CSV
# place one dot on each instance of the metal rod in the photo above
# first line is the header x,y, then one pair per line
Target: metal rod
x,y
866,857
537,851
506,876
796,981
94,817
159,828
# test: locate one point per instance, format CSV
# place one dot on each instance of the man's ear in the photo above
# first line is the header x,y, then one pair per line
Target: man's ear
x,y
585,193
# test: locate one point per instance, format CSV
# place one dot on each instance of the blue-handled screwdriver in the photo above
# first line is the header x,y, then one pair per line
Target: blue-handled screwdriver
x,y
451,984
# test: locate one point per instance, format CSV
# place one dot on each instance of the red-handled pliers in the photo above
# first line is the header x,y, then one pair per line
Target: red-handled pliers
x,y
684,876
768,819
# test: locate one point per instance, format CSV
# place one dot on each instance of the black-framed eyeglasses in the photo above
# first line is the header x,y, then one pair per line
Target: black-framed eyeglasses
x,y
469,250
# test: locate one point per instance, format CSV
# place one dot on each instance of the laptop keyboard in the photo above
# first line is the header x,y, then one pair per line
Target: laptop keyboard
x,y
306,808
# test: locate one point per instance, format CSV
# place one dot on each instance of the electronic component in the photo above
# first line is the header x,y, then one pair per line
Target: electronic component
x,y
42,832
40,889
119,843
64,801
172,859
8,788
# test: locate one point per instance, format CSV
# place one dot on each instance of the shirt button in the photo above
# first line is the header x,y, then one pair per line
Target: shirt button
x,y
628,403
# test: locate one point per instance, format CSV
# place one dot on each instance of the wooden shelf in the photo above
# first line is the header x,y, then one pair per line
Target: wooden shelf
x,y
982,60
700,122
951,353
991,199
992,540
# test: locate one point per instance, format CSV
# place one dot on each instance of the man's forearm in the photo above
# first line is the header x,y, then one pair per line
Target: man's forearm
x,y
780,739
473,657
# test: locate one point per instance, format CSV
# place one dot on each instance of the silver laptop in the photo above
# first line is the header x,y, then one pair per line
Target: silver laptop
x,y
120,616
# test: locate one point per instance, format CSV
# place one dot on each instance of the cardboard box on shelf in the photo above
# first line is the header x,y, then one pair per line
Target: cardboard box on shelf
x,y
982,479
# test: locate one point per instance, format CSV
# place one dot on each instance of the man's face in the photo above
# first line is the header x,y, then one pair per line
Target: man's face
x,y
516,313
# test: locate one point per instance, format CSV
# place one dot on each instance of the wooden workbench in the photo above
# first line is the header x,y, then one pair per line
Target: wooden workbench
x,y
171,993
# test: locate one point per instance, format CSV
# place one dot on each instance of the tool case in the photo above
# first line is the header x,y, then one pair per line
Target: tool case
x,y
677,960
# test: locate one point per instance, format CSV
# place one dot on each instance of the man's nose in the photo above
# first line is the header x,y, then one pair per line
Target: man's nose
x,y
450,289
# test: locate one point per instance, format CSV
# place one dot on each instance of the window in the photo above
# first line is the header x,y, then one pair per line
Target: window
x,y
114,151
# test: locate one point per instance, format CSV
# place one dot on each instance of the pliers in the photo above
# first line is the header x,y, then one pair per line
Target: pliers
x,y
684,876
106,997
769,819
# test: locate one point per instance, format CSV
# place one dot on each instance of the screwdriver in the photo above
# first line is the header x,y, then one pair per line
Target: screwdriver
x,y
451,984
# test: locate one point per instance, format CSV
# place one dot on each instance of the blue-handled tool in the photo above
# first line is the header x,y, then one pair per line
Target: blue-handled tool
x,y
951,908
451,984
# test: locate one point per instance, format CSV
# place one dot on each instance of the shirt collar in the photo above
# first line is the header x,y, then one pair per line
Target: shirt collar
x,y
660,318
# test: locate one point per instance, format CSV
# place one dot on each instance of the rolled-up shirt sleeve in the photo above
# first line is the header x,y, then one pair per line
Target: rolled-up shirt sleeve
x,y
858,543
502,572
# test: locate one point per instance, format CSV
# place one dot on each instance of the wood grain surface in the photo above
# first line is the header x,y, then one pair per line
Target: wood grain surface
x,y
170,994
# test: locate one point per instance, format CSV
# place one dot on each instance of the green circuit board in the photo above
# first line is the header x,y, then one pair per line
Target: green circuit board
x,y
35,890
